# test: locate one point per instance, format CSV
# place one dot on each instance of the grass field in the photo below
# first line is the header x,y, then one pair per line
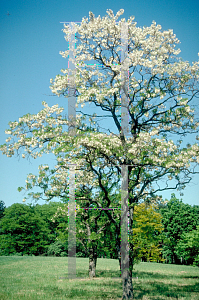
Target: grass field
x,y
29,277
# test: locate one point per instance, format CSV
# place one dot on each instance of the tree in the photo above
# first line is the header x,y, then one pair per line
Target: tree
x,y
2,208
147,228
91,225
46,212
159,101
178,219
23,231
188,247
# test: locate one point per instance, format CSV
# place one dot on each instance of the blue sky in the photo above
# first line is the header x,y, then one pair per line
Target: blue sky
x,y
31,37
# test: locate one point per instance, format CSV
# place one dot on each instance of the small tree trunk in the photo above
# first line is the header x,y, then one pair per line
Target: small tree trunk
x,y
92,253
118,246
92,262
120,265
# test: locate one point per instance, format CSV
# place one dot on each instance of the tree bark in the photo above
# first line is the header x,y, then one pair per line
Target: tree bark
x,y
127,280
92,261
127,287
127,284
127,264
92,250
119,257
118,246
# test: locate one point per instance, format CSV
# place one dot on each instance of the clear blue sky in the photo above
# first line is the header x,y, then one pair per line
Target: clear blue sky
x,y
31,39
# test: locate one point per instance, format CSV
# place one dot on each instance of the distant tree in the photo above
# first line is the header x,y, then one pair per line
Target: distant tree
x,y
23,231
147,228
46,213
2,208
188,247
178,219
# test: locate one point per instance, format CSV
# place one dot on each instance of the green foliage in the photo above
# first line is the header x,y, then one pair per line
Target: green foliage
x,y
23,230
188,247
2,208
47,212
147,227
58,248
178,219
196,261
33,230
108,246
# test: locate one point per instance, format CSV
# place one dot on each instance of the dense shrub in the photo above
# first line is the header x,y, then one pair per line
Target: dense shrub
x,y
58,248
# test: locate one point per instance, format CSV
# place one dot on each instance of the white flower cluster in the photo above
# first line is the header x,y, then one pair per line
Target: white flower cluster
x,y
159,88
152,53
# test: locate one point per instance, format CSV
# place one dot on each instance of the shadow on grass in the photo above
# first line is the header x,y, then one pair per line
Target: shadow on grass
x,y
86,288
160,290
108,274
193,277
158,275
153,285
105,274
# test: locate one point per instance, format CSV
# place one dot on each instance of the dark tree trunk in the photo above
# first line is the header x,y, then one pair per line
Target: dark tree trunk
x,y
92,261
127,282
92,253
127,264
118,246
120,264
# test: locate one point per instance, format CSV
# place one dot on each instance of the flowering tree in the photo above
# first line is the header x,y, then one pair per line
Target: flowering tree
x,y
160,96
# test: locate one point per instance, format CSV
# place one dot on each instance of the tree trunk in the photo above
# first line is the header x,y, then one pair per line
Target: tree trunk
x,y
119,257
92,253
127,280
127,287
92,261
127,263
118,246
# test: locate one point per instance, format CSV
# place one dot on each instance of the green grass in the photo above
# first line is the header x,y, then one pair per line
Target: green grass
x,y
29,277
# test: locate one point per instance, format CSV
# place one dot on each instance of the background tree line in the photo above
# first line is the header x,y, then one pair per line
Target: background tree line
x,y
162,233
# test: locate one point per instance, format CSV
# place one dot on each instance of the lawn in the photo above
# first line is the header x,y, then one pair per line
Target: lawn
x,y
29,277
